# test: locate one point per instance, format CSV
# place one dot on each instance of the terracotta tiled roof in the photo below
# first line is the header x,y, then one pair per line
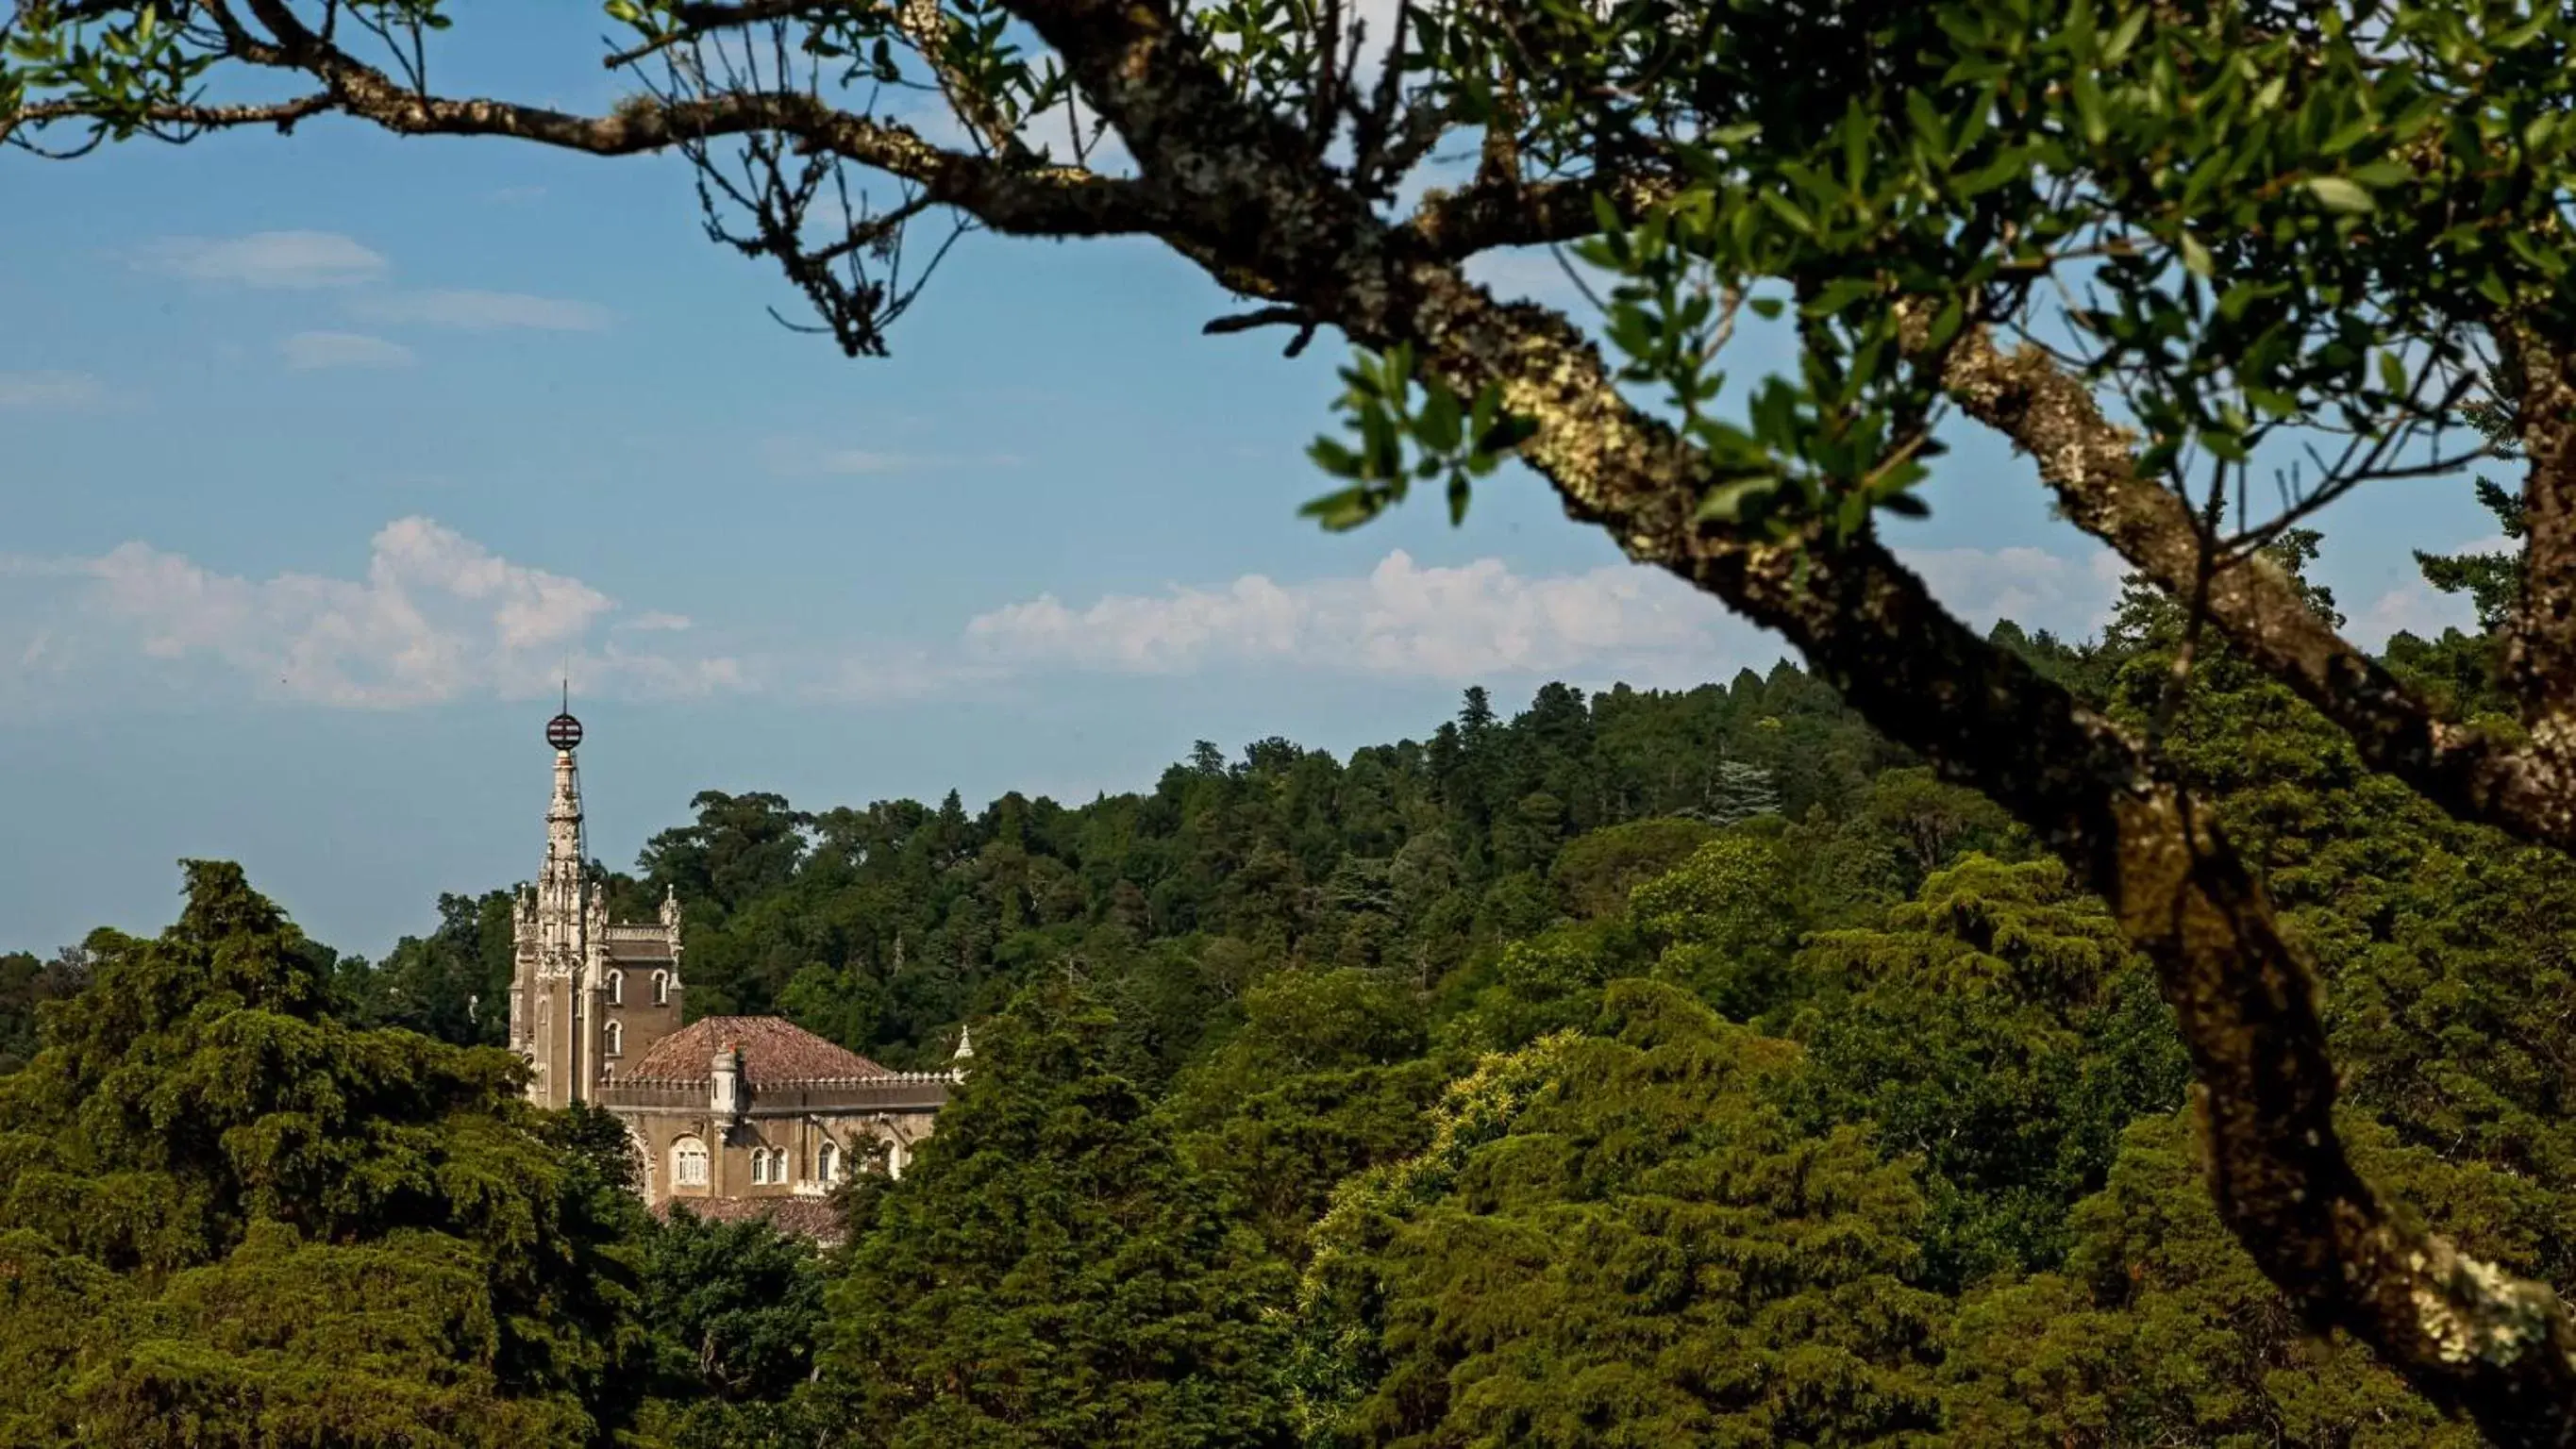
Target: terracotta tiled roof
x,y
810,1217
775,1053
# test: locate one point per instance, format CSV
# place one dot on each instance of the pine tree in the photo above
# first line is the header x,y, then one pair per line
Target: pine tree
x,y
2493,581
230,1219
1999,1027
1049,1271
2162,1331
1615,1238
1741,792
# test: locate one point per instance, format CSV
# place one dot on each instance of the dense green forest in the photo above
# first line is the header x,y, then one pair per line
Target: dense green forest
x,y
1639,1069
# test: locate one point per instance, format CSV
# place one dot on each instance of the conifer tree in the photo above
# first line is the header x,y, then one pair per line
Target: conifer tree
x,y
1049,1271
1998,1027
1615,1238
227,1218
1741,791
2160,1329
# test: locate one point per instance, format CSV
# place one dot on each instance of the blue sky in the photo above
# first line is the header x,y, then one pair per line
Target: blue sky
x,y
322,455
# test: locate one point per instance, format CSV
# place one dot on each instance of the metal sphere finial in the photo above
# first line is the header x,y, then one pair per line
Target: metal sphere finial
x,y
563,731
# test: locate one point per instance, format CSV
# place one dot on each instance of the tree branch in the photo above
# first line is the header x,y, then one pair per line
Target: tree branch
x,y
2090,464
179,116
2540,647
1027,200
697,21
2469,1336
1500,211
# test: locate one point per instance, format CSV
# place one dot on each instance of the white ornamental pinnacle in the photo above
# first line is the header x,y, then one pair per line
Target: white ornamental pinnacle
x,y
563,894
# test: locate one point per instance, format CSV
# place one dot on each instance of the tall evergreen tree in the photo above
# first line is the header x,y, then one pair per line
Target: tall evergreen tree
x,y
1050,1271
1616,1238
1742,791
1999,1028
228,1218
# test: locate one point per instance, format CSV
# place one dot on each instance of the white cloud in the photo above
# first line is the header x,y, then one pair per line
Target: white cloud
x,y
2416,607
862,462
436,617
895,674
1402,619
309,350
50,390
2037,589
1483,619
802,458
476,311
1538,274
269,259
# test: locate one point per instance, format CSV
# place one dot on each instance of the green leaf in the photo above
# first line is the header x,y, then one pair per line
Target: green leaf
x,y
2336,193
1726,502
1345,510
1839,294
2197,258
1334,457
1437,428
2278,404
1790,212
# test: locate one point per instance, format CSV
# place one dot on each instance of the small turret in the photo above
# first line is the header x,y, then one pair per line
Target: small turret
x,y
965,1049
724,1082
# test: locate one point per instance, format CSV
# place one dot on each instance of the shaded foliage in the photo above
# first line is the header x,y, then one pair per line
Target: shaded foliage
x,y
228,1217
1482,1090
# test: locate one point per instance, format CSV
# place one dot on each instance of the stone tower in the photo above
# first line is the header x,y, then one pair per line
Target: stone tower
x,y
585,994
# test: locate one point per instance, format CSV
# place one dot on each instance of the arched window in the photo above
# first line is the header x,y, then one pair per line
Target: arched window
x,y
616,1038
617,988
894,1159
661,988
689,1163
827,1162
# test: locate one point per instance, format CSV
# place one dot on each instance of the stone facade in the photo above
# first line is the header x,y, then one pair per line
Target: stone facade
x,y
755,1107
736,1115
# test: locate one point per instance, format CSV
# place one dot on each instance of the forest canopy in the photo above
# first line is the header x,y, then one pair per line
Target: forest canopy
x,y
1509,1085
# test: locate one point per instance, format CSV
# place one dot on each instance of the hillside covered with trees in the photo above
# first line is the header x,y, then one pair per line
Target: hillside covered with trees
x,y
1637,1069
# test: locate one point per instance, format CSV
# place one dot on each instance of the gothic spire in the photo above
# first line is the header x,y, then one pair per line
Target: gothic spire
x,y
562,896
563,817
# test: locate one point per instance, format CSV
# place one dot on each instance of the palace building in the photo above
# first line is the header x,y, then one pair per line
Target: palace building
x,y
736,1116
